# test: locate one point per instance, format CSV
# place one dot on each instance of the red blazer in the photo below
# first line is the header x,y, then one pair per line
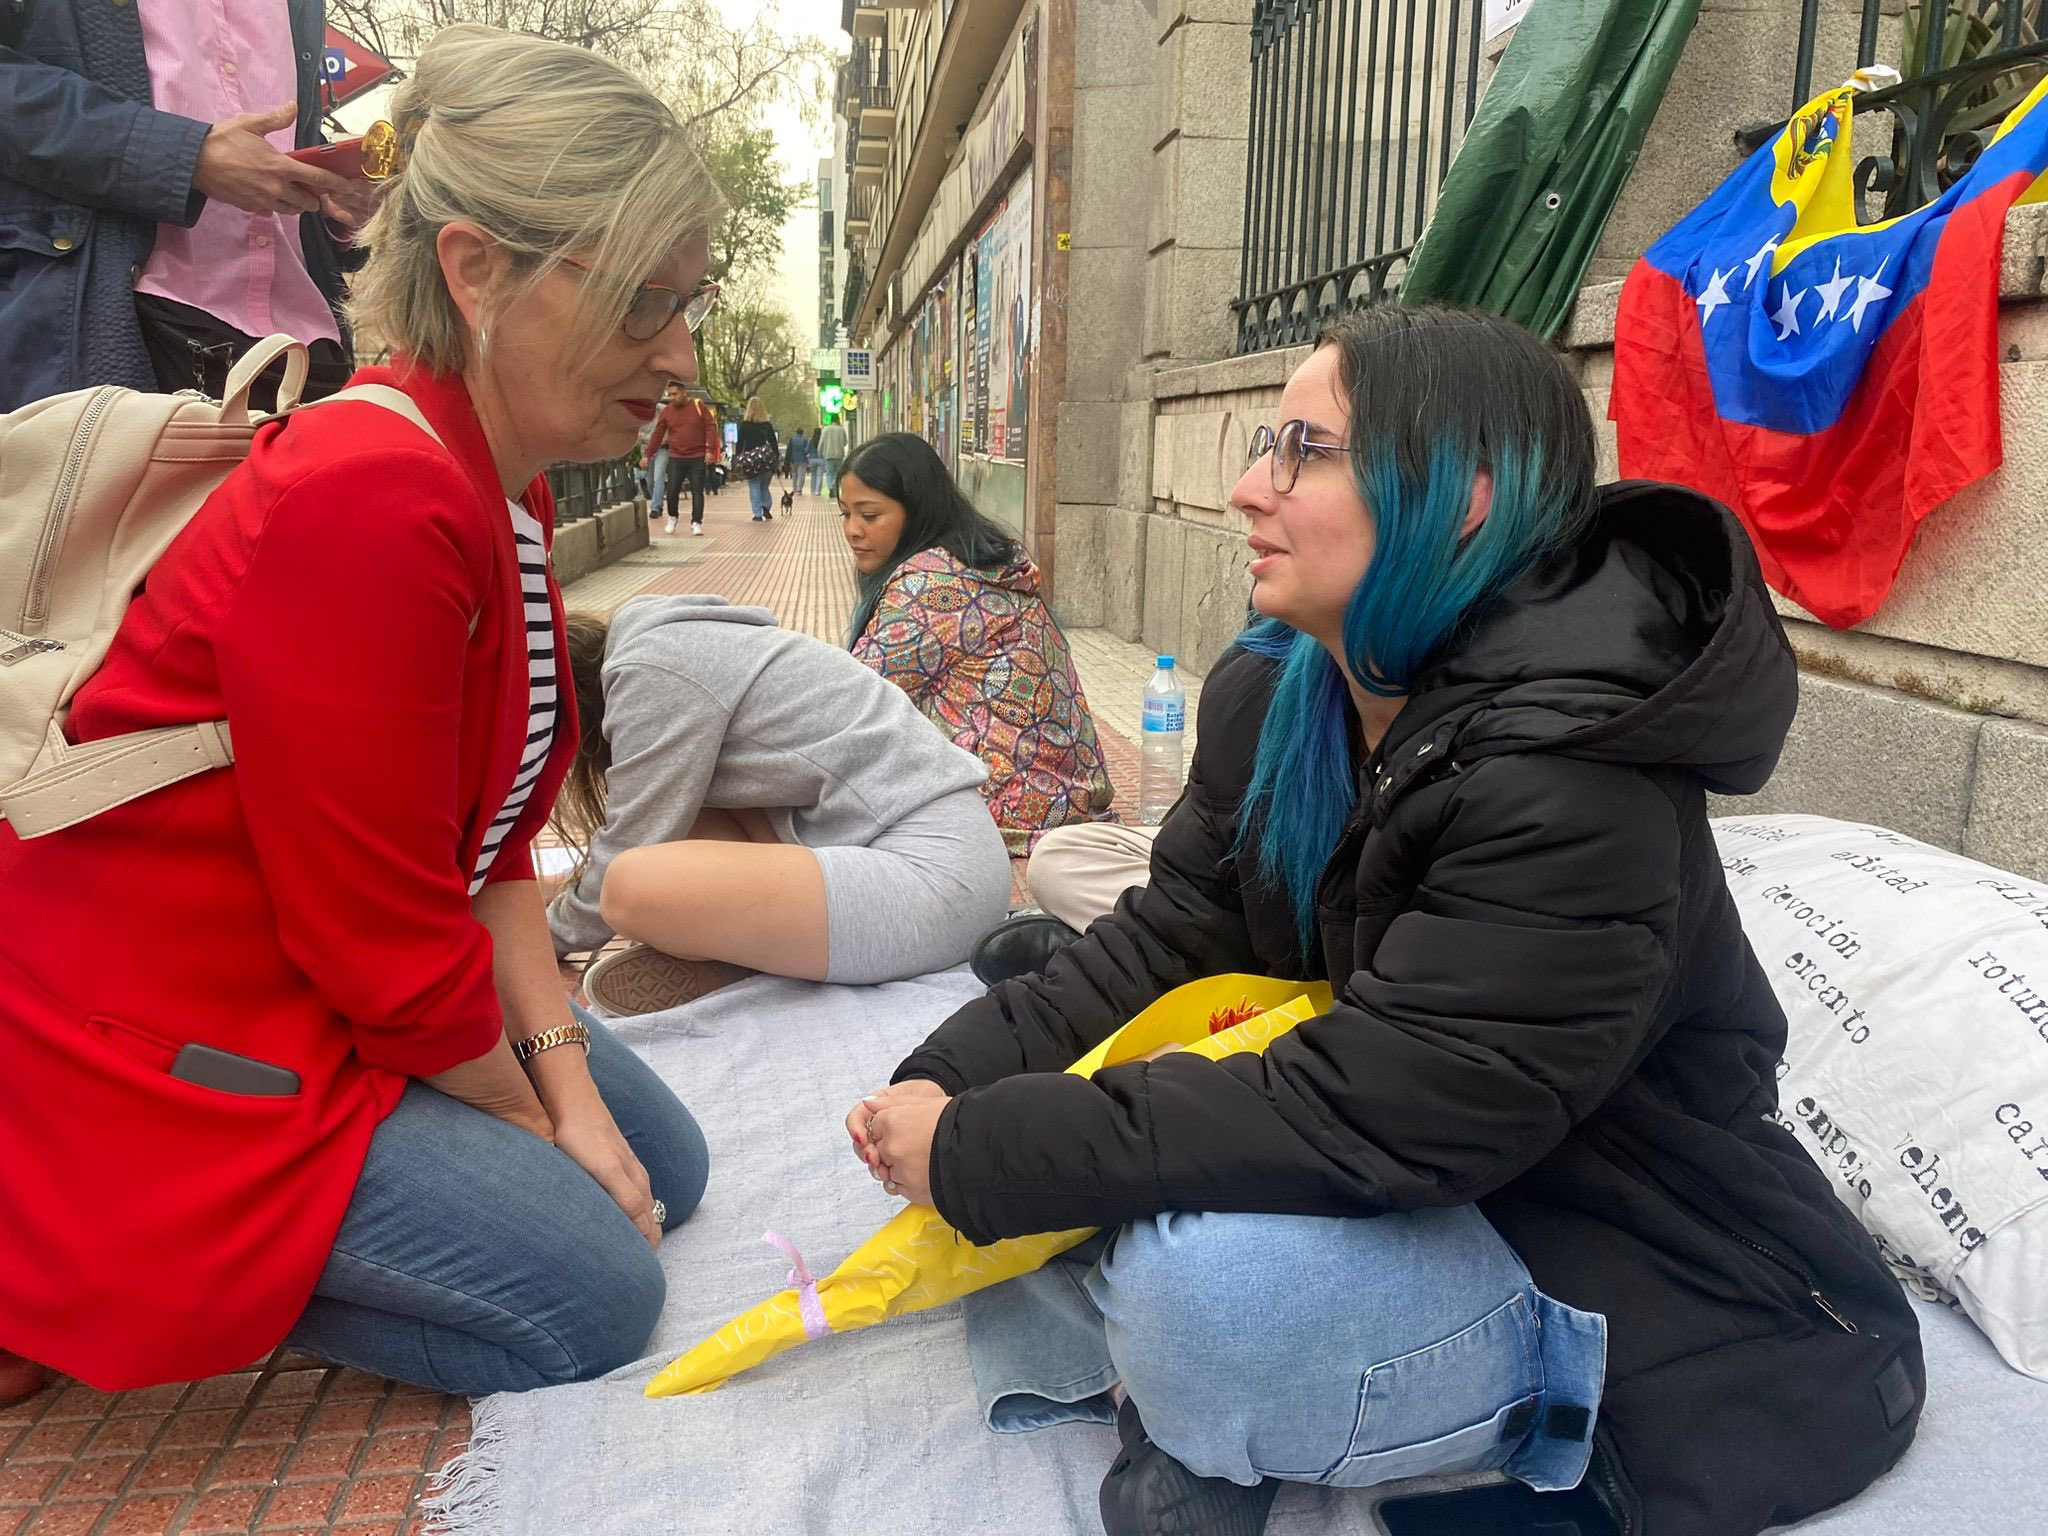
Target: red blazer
x,y
349,601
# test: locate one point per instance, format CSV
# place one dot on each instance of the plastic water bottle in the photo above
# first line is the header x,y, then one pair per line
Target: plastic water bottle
x,y
1160,768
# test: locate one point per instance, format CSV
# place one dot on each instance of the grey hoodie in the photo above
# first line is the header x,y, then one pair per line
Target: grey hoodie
x,y
707,704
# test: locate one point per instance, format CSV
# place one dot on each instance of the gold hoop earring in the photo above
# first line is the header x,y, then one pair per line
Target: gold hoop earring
x,y
483,341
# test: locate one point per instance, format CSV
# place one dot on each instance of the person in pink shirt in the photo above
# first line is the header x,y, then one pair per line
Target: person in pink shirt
x,y
155,225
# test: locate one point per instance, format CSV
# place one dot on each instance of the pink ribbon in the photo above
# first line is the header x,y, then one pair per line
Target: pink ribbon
x,y
808,1306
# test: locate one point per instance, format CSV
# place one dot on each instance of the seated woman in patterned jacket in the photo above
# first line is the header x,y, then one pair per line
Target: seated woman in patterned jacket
x,y
950,611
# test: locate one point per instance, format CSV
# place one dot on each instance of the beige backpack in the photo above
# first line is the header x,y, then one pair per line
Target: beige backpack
x,y
94,485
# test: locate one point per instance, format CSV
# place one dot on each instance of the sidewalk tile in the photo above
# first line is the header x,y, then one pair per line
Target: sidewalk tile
x,y
68,1519
29,1483
223,1512
97,1477
298,1504
143,1517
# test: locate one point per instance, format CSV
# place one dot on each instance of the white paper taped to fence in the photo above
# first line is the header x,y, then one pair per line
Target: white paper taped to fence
x,y
1915,982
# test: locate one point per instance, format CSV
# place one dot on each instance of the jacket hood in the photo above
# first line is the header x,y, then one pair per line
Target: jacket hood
x,y
1651,642
643,615
1018,574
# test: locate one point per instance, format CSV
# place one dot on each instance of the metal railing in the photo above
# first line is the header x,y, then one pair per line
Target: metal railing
x,y
1965,63
869,81
584,490
1356,109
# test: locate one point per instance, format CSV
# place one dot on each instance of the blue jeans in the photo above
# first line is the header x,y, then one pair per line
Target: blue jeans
x,y
476,1258
1309,1348
760,493
657,479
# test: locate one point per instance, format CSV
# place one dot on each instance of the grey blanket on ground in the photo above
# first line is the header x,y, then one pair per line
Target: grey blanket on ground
x,y
879,1431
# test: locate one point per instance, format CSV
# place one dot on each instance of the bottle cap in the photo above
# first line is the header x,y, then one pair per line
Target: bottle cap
x,y
1166,662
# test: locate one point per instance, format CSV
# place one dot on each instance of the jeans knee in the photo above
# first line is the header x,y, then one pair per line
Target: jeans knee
x,y
618,1301
679,1167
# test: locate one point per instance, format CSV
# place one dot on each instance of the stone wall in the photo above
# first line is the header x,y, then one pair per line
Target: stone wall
x,y
592,543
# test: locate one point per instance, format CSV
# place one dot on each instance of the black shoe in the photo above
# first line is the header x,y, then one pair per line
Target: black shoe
x,y
1022,944
1148,1493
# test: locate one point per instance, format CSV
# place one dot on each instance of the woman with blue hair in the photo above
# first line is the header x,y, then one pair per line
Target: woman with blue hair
x,y
1516,1203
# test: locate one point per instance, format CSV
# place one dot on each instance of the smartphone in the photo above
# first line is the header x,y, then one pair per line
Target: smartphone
x,y
344,157
224,1070
1498,1509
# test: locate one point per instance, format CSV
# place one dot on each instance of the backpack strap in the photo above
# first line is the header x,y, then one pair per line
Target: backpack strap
x,y
82,781
76,783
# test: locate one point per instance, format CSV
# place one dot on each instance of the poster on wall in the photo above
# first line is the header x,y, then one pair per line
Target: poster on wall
x,y
969,353
1003,331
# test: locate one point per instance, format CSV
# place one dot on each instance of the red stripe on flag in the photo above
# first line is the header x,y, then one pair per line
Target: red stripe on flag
x,y
1832,513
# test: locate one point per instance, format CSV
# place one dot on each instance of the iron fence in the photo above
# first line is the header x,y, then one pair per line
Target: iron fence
x,y
584,490
1357,107
1964,65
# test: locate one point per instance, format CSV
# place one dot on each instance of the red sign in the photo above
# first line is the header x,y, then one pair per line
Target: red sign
x,y
348,68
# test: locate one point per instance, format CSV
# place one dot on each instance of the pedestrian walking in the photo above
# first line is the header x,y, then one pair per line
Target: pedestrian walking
x,y
796,459
155,226
684,439
755,456
827,454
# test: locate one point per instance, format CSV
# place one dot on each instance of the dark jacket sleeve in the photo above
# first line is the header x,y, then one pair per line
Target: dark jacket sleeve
x,y
1497,1011
1186,922
78,142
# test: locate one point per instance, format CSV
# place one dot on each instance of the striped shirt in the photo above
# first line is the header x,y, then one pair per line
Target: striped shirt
x,y
540,686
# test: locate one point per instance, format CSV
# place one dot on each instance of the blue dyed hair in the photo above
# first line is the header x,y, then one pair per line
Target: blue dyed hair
x,y
1435,395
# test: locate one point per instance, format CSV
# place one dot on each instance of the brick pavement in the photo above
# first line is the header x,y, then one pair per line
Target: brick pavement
x,y
296,1446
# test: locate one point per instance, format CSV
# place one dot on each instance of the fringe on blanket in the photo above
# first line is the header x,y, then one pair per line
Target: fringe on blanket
x,y
466,1497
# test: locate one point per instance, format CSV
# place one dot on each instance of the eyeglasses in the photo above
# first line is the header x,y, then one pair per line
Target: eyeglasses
x,y
1289,446
655,305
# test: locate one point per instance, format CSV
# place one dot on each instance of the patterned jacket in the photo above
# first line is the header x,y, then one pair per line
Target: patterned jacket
x,y
980,653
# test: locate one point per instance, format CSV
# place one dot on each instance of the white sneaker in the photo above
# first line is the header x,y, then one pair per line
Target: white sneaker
x,y
696,530
671,525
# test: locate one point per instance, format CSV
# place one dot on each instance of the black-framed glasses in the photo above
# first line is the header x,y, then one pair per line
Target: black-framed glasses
x,y
655,305
1289,444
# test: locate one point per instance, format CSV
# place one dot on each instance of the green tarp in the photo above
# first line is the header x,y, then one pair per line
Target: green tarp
x,y
1555,137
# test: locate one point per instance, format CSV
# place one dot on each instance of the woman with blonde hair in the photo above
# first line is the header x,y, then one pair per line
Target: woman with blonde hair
x,y
327,1086
755,457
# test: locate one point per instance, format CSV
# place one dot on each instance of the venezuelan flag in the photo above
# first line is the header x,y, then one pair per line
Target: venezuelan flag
x,y
1830,382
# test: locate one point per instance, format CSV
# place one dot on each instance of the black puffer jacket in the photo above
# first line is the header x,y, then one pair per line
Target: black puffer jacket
x,y
1545,1004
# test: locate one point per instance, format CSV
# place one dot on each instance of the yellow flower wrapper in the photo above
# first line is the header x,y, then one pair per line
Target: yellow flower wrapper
x,y
916,1260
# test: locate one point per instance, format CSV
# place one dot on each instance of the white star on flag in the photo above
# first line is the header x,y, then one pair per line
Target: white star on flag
x,y
1831,293
1750,266
1787,317
1871,291
1715,295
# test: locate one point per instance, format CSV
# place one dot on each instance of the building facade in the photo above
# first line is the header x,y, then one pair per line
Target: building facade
x,y
944,236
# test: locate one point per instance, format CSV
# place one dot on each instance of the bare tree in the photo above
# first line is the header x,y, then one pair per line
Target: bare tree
x,y
696,60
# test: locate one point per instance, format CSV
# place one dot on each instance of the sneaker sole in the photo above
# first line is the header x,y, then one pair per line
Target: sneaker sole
x,y
643,980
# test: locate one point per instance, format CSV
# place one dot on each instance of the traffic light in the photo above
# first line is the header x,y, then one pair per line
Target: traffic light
x,y
830,398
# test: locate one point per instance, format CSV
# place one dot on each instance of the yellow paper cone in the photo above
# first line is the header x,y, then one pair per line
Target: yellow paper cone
x,y
916,1260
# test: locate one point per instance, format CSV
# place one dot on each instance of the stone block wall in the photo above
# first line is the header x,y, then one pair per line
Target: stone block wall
x,y
592,543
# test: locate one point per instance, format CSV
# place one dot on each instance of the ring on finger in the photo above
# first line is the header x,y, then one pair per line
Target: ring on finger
x,y
660,1213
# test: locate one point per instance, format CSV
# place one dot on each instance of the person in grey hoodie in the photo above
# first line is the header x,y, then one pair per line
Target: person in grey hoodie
x,y
748,795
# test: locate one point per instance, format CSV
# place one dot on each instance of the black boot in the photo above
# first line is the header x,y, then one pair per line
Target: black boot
x,y
1148,1493
1022,944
